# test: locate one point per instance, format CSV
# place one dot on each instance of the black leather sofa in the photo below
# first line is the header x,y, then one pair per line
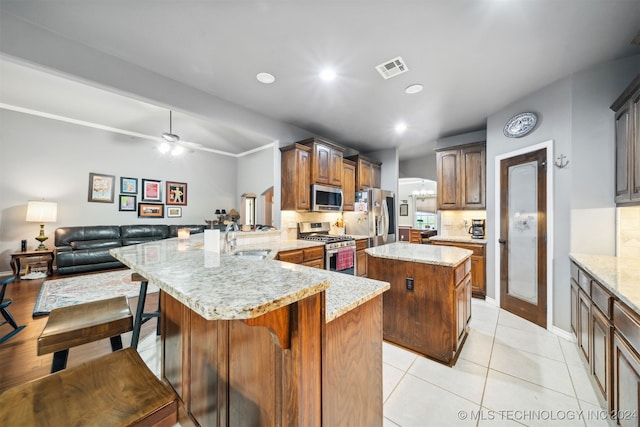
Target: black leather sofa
x,y
82,249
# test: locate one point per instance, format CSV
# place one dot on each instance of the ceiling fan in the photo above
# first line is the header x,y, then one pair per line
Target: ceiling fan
x,y
171,140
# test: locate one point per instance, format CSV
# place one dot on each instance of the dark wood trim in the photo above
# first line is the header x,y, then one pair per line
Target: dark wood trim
x,y
626,94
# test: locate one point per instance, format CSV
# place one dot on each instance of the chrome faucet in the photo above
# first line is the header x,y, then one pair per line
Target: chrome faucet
x,y
230,236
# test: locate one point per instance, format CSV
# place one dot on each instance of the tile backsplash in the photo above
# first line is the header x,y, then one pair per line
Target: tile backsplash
x,y
628,232
289,221
452,223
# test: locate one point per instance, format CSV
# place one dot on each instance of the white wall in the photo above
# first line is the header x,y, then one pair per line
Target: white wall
x,y
419,167
45,158
256,174
574,113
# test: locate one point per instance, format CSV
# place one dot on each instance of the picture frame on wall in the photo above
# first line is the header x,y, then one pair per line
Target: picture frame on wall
x,y
176,193
150,210
151,190
404,209
128,185
127,203
101,187
174,212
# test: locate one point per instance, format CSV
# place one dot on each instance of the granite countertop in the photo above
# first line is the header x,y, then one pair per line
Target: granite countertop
x,y
458,239
219,286
428,254
620,275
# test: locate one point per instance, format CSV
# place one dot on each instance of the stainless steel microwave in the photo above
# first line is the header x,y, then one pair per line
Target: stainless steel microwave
x,y
325,198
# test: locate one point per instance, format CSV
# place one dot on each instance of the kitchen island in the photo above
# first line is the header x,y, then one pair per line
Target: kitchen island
x,y
248,342
428,306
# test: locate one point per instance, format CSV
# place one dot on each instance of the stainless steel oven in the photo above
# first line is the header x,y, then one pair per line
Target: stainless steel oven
x,y
339,250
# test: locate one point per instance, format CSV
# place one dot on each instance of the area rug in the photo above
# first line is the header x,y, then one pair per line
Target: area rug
x,y
91,287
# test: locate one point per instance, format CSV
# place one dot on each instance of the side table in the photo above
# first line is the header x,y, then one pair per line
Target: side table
x,y
17,257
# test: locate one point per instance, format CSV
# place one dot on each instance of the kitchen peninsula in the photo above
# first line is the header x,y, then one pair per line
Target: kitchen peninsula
x,y
247,342
428,306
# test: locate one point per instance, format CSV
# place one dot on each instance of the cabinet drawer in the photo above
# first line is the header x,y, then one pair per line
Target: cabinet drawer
x,y
584,280
601,298
462,270
314,253
574,271
361,244
478,250
295,256
627,324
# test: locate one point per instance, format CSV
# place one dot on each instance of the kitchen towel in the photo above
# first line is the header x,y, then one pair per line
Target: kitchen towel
x,y
344,259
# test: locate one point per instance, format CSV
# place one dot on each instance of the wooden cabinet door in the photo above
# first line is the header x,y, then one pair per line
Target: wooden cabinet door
x,y
478,282
623,133
584,307
364,174
626,381
463,308
316,263
295,256
175,332
634,163
296,178
473,168
321,168
574,308
415,236
600,345
335,168
449,175
376,176
361,263
348,186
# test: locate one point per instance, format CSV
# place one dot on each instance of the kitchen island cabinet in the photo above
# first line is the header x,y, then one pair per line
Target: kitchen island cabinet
x,y
264,342
428,307
478,260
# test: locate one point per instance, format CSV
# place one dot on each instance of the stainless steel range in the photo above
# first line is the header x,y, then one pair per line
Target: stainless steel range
x,y
339,250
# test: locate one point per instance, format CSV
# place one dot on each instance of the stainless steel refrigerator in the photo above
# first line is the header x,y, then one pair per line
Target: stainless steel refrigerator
x,y
374,216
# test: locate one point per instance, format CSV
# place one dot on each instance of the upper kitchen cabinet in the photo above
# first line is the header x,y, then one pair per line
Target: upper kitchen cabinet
x,y
367,172
296,177
627,125
326,162
461,177
348,185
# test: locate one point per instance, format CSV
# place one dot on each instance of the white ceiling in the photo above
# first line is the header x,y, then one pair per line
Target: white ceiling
x,y
473,57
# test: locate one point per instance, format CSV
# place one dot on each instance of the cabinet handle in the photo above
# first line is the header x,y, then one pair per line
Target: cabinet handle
x,y
502,241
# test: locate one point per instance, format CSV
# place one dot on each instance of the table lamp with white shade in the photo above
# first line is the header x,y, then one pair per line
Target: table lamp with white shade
x,y
41,211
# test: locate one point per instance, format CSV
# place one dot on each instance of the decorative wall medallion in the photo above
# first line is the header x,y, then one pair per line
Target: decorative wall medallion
x,y
520,125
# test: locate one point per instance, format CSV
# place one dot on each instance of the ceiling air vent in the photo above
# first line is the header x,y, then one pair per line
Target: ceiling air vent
x,y
392,68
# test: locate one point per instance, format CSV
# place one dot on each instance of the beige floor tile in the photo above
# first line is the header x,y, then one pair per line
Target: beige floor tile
x,y
397,356
582,384
391,376
546,345
529,403
570,352
386,422
490,418
531,367
477,348
417,403
466,379
509,319
595,416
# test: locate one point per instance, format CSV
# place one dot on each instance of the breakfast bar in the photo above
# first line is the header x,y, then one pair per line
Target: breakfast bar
x,y
263,342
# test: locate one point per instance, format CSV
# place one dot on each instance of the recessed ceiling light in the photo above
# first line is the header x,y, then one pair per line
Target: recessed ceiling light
x,y
413,89
401,127
266,78
327,74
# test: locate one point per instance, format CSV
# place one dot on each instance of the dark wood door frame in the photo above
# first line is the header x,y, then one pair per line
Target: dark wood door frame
x,y
548,265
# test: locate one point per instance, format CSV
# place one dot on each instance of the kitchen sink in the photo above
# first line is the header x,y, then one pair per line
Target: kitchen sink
x,y
254,254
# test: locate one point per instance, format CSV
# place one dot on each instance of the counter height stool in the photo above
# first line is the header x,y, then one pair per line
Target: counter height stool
x,y
8,318
113,390
141,316
83,323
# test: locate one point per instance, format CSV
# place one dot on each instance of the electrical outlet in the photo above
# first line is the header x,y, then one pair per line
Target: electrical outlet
x,y
409,282
447,223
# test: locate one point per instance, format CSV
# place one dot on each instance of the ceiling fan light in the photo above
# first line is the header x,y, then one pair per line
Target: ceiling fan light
x,y
177,150
170,137
164,148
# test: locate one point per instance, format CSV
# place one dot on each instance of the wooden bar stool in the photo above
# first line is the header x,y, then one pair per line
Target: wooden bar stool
x,y
141,316
116,389
83,323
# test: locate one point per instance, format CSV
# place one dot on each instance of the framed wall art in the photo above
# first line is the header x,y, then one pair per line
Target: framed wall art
x,y
151,190
128,185
404,209
101,187
150,210
176,193
174,212
127,203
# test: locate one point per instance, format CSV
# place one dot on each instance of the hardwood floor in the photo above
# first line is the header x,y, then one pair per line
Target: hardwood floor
x,y
19,362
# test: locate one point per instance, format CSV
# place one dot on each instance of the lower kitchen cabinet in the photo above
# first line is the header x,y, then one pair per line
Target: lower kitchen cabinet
x,y
361,257
608,336
478,265
311,257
